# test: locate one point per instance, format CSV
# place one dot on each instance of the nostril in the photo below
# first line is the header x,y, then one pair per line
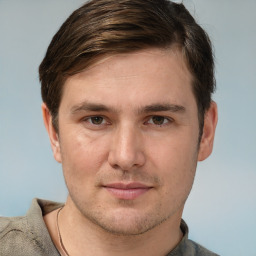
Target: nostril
x,y
115,166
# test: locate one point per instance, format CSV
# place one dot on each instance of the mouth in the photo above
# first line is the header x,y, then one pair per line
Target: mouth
x,y
128,191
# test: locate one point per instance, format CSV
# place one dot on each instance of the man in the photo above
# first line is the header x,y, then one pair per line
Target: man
x,y
126,88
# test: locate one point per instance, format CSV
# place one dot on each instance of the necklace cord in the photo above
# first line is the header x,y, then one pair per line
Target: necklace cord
x,y
59,234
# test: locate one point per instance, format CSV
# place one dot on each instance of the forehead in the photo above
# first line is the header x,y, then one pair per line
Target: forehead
x,y
148,59
135,77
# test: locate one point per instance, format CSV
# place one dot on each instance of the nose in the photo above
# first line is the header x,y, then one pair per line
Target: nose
x,y
126,151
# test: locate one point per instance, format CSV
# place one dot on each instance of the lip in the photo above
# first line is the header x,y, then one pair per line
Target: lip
x,y
129,191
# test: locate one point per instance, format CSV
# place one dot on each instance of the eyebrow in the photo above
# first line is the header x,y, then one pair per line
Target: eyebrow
x,y
159,107
85,106
162,107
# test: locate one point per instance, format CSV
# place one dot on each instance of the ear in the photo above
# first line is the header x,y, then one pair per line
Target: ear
x,y
210,122
53,135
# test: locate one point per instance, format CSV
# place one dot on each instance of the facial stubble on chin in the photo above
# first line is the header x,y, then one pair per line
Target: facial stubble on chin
x,y
97,216
140,225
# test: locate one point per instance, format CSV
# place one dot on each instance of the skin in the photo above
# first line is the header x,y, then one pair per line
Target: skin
x,y
128,144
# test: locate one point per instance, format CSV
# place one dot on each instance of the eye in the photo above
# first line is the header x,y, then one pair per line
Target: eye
x,y
96,120
159,120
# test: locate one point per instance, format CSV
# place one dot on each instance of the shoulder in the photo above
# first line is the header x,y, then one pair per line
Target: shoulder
x,y
198,250
190,248
11,224
187,247
14,235
27,235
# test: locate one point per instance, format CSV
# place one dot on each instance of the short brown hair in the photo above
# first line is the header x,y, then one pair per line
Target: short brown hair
x,y
105,27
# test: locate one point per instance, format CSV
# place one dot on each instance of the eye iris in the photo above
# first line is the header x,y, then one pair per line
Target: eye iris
x,y
97,120
158,120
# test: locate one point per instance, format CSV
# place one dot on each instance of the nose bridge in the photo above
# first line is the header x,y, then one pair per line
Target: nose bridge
x,y
127,149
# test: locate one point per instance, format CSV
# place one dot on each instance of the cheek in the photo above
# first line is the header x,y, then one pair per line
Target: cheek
x,y
175,161
82,156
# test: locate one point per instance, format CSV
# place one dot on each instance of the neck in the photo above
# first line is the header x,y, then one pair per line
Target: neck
x,y
80,235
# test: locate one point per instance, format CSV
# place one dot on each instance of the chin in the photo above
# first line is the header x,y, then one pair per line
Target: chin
x,y
126,229
127,222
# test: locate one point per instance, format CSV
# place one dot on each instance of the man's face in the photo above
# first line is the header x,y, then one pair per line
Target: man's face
x,y
128,140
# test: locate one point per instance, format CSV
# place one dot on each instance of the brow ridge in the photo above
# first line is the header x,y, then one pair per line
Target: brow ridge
x,y
97,107
163,107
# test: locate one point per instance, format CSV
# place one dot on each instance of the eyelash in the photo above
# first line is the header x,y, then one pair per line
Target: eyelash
x,y
89,120
166,121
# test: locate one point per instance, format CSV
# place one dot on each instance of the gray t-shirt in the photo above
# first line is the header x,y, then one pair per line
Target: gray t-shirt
x,y
28,235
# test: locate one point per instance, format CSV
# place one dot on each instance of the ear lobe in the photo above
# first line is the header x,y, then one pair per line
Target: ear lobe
x,y
210,122
53,135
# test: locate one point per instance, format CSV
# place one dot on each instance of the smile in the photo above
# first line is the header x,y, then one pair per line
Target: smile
x,y
129,191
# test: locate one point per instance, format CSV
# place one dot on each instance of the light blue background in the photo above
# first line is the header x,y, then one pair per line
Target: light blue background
x,y
221,210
